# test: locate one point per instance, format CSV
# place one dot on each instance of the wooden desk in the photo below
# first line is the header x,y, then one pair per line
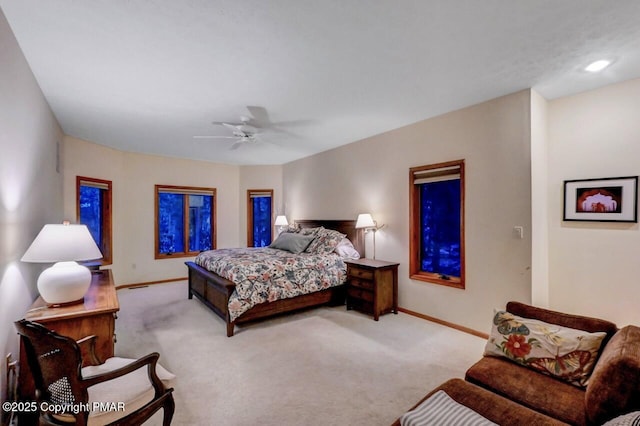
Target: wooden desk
x,y
96,316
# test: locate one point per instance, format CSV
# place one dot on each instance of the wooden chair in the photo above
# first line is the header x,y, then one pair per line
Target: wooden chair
x,y
94,394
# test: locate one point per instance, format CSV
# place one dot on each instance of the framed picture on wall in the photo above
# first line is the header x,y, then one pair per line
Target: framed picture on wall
x,y
602,200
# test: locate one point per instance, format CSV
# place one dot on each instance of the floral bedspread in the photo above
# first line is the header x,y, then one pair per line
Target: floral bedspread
x,y
266,274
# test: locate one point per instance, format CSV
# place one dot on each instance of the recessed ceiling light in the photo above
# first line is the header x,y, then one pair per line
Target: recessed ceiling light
x,y
598,65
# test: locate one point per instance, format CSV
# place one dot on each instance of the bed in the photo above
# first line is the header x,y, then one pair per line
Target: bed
x,y
216,291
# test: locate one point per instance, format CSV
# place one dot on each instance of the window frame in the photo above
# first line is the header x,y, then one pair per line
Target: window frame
x,y
250,194
185,191
106,243
415,230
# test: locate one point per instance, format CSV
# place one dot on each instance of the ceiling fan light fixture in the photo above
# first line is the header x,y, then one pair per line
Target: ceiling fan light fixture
x,y
247,128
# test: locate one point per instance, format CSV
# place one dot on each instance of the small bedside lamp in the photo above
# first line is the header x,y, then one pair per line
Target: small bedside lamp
x,y
366,221
65,282
281,220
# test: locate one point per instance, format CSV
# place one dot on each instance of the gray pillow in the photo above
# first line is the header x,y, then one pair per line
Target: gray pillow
x,y
295,243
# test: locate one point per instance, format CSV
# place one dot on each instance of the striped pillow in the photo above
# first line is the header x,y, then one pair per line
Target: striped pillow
x,y
631,419
440,410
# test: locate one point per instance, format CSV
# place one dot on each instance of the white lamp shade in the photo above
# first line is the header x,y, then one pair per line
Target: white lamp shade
x,y
281,220
365,221
62,243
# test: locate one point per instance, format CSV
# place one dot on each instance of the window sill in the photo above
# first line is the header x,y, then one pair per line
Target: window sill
x,y
454,282
176,255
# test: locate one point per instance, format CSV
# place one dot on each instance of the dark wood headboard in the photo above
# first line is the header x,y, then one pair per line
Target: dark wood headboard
x,y
347,227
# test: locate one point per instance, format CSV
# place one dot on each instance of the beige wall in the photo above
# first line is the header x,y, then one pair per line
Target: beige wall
x,y
594,267
372,176
134,176
30,186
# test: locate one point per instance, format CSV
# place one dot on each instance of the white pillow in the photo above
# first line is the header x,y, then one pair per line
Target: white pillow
x,y
346,249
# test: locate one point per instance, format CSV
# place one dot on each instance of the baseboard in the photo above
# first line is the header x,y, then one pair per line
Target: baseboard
x,y
148,283
445,323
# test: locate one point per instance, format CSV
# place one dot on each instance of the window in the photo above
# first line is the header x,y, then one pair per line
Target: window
x,y
259,208
93,208
437,223
185,221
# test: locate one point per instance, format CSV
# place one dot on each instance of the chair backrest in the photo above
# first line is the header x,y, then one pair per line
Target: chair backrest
x,y
55,362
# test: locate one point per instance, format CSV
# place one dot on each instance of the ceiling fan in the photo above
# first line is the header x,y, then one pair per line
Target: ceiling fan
x,y
247,130
243,132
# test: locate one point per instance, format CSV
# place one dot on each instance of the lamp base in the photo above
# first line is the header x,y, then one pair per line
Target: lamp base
x,y
64,283
62,305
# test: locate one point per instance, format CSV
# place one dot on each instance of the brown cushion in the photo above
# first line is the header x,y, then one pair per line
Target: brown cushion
x,y
539,392
579,322
614,387
491,406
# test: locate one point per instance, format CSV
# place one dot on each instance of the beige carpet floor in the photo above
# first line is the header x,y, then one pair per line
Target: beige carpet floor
x,y
325,366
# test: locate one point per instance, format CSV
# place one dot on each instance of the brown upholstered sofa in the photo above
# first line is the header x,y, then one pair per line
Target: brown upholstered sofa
x,y
511,394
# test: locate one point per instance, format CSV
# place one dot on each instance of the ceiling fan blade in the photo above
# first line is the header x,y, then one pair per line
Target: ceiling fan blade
x,y
225,123
213,137
293,123
237,144
232,127
260,115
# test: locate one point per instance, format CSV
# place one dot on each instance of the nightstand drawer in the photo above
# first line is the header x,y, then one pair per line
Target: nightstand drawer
x,y
360,294
365,274
366,284
361,305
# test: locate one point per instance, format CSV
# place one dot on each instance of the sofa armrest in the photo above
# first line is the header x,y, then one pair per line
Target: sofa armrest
x,y
614,385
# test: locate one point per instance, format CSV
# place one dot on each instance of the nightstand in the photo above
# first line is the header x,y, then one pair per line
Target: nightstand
x,y
372,286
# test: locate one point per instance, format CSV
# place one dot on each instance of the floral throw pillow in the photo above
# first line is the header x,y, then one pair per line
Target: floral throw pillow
x,y
325,242
290,229
562,352
311,231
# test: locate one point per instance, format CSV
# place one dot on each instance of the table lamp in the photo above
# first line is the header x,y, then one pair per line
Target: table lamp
x,y
281,220
65,282
366,222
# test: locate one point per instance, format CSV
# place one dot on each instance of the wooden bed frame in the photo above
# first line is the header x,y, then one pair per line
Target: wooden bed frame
x,y
214,291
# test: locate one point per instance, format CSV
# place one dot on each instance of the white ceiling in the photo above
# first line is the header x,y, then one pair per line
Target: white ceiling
x,y
146,76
